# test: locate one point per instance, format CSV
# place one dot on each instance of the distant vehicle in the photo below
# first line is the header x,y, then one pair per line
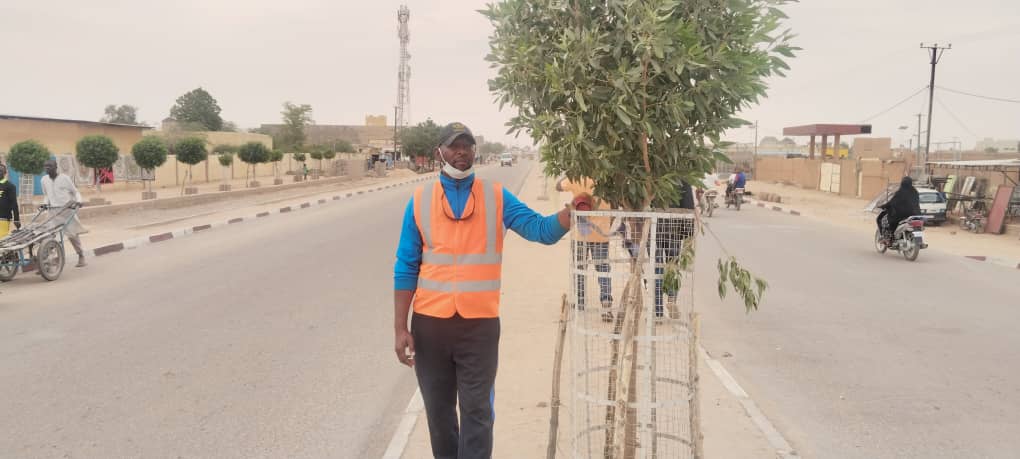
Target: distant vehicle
x,y
506,159
933,205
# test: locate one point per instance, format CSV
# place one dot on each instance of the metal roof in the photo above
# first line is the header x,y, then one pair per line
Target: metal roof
x,y
60,120
828,129
980,163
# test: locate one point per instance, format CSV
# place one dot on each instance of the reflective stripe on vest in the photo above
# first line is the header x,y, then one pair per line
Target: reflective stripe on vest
x,y
461,258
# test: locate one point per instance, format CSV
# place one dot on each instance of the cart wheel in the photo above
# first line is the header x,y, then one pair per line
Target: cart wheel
x,y
8,266
50,260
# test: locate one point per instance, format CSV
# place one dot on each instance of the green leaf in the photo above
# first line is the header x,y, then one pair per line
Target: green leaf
x,y
580,99
622,116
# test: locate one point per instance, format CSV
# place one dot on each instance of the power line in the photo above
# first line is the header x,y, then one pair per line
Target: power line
x,y
953,115
999,99
919,91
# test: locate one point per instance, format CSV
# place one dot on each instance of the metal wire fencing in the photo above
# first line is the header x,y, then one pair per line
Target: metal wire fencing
x,y
632,336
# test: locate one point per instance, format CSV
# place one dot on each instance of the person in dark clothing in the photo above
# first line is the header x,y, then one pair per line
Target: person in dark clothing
x,y
671,234
904,203
9,213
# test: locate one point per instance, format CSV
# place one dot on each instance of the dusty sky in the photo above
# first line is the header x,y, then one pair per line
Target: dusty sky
x,y
61,59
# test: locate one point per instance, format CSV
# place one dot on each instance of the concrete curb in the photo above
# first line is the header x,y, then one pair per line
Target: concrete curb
x,y
1013,264
180,233
174,202
769,205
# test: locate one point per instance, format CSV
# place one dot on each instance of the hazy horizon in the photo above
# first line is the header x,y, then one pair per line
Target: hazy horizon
x,y
859,59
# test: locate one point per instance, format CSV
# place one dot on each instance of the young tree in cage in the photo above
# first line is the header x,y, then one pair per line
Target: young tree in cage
x,y
317,153
150,153
275,156
636,95
253,153
97,152
28,157
300,158
225,154
329,155
190,151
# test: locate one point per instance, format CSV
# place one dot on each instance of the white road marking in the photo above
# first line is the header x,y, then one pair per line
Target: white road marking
x,y
399,441
783,448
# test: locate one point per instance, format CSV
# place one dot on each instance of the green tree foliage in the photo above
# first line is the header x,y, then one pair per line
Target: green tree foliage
x,y
191,150
491,148
342,146
225,148
225,159
96,151
120,114
299,157
199,107
295,118
254,153
633,93
28,157
420,140
150,152
636,94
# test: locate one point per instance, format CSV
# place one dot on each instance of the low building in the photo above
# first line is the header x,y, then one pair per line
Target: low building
x,y
61,136
998,145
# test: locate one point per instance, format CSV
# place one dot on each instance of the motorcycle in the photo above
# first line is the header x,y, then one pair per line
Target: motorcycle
x,y
907,238
973,220
735,198
708,204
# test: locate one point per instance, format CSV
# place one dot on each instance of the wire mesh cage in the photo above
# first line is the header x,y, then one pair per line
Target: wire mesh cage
x,y
632,335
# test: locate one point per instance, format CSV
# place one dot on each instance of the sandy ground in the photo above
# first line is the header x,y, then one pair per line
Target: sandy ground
x,y
529,313
849,212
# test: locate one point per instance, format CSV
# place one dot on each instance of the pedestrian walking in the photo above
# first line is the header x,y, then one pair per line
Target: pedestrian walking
x,y
58,191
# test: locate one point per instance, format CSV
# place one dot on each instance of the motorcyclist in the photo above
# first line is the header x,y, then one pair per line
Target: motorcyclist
x,y
904,203
737,180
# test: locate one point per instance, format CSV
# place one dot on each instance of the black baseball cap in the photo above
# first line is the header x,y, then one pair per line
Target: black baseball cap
x,y
451,131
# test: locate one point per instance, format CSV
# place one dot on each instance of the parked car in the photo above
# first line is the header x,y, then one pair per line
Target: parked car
x,y
933,204
506,159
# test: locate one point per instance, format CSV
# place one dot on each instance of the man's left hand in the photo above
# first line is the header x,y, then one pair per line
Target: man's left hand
x,y
582,202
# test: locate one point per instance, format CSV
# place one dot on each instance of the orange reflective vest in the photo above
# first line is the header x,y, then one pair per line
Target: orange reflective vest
x,y
461,259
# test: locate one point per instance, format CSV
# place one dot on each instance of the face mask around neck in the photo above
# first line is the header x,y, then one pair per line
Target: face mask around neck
x,y
453,172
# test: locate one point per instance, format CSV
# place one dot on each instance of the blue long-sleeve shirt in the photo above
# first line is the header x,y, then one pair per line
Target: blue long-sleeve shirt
x,y
516,216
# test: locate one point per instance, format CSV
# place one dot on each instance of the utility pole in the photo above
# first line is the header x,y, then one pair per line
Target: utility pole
x,y
935,51
918,158
754,156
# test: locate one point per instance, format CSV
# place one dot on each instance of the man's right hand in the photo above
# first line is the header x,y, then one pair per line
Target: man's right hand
x,y
404,347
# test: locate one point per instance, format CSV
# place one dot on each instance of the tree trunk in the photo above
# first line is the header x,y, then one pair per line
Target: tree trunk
x,y
621,390
554,404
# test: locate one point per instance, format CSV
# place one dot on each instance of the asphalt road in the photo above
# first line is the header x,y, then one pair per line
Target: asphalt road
x,y
861,355
264,339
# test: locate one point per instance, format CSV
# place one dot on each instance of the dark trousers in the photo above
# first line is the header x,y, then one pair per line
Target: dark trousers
x,y
455,361
597,252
